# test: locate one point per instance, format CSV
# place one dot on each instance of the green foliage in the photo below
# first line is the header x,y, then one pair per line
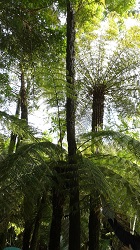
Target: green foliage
x,y
34,38
17,125
29,24
115,71
119,6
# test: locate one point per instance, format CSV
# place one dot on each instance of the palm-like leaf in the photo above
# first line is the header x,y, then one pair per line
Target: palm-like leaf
x,y
18,126
125,141
28,172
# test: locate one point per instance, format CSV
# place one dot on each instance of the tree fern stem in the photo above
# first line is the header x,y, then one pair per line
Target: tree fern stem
x,y
13,137
23,98
98,107
74,214
97,123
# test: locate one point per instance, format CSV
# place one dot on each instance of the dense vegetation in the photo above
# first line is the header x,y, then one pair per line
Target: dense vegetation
x,y
76,63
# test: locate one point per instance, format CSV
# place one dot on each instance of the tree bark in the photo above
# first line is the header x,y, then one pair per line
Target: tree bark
x,y
94,223
74,216
14,136
70,75
58,199
98,107
23,102
23,98
27,234
38,218
24,116
3,235
55,230
97,123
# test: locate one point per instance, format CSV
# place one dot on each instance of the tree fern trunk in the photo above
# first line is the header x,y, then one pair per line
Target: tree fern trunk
x,y
24,115
98,107
38,218
74,217
23,101
94,223
97,123
55,230
27,235
74,214
23,98
13,135
3,235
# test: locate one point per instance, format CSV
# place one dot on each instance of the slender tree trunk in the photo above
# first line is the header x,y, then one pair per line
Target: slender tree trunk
x,y
94,223
38,218
23,102
14,136
24,116
55,230
58,199
74,216
23,98
22,105
97,123
27,234
3,235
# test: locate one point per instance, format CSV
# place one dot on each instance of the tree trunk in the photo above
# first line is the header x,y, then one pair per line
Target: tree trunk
x,y
27,235
97,123
38,218
14,136
98,107
24,115
23,102
74,216
23,98
94,223
3,235
55,230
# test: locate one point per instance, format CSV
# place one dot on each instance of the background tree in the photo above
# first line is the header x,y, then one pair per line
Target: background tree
x,y
97,72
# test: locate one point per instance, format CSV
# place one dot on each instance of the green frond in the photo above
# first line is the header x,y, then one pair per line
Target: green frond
x,y
92,178
122,165
28,172
32,154
126,194
18,126
125,141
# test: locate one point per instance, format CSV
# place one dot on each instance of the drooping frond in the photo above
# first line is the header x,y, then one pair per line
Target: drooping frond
x,y
125,141
120,167
28,171
92,178
126,186
18,126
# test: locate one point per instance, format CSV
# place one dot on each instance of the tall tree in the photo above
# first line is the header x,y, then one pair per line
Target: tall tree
x,y
98,99
74,216
105,80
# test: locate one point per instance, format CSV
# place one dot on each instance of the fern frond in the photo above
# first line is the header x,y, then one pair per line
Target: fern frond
x,y
28,171
125,141
92,178
126,191
18,126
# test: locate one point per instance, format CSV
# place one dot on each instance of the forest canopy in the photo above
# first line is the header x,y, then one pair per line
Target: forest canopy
x,y
70,124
